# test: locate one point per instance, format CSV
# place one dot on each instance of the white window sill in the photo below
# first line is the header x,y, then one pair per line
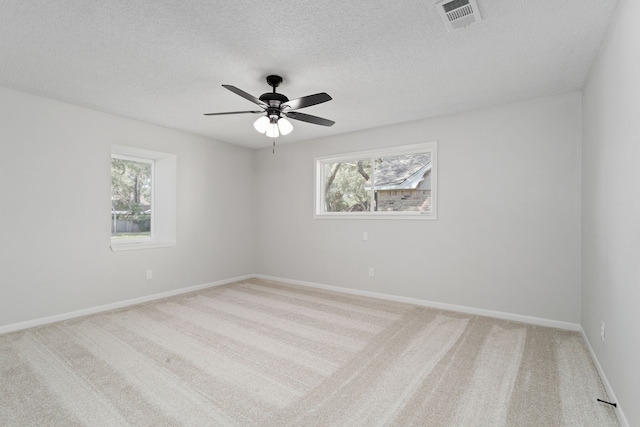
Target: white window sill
x,y
395,216
134,246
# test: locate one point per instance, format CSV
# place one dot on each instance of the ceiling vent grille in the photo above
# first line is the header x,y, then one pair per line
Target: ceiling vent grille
x,y
458,14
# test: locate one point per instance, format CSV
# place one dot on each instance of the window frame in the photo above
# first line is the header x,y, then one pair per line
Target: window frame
x,y
319,190
163,198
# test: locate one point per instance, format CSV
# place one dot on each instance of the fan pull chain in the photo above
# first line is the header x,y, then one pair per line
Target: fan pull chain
x,y
274,147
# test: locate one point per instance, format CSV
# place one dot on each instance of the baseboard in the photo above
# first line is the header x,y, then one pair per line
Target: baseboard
x,y
612,396
451,307
113,306
425,303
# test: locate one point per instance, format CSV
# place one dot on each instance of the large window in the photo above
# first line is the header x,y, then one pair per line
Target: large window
x,y
398,182
143,199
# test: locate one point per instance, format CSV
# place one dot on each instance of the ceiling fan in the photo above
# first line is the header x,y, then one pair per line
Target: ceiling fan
x,y
276,105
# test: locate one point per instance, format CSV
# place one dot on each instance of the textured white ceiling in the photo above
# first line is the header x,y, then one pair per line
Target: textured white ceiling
x,y
383,62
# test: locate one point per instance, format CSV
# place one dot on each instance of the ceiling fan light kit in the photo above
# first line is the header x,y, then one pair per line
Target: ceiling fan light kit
x,y
273,126
285,126
276,105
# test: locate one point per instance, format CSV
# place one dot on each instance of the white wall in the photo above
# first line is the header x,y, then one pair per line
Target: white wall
x,y
611,207
55,186
507,236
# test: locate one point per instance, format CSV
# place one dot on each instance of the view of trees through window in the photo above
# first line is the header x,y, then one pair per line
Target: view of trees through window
x,y
378,183
131,182
345,186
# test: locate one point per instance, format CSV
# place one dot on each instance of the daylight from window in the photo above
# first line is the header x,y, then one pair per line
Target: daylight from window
x,y
383,183
131,197
345,186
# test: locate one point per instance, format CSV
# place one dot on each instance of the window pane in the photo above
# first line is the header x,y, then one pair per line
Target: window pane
x,y
403,183
130,198
344,186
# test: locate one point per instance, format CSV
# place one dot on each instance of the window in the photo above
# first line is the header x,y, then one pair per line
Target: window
x,y
398,182
143,199
131,198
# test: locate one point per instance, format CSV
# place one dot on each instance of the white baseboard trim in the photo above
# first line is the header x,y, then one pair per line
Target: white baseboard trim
x,y
114,306
463,309
459,308
612,396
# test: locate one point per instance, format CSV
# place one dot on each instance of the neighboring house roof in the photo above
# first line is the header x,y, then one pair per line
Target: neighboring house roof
x,y
401,172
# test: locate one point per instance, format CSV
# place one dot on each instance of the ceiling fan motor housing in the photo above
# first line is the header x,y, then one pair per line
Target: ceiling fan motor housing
x,y
274,101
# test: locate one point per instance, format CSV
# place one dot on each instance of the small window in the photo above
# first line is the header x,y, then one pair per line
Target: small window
x,y
131,198
143,199
397,182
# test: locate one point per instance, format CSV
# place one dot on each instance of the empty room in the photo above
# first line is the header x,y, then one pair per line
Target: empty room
x,y
320,213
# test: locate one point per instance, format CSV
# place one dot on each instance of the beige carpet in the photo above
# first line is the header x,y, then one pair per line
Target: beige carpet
x,y
266,354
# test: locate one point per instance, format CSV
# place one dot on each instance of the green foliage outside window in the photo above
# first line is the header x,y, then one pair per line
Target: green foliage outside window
x,y
345,186
130,197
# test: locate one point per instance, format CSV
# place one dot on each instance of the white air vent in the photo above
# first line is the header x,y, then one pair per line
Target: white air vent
x,y
458,14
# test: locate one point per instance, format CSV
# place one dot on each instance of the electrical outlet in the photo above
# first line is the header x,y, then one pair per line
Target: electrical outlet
x,y
602,331
149,274
371,272
365,235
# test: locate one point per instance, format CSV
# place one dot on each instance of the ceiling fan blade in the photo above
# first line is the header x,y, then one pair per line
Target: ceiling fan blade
x,y
245,95
307,101
233,112
308,118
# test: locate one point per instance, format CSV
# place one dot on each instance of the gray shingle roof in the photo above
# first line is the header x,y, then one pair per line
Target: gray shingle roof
x,y
395,170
